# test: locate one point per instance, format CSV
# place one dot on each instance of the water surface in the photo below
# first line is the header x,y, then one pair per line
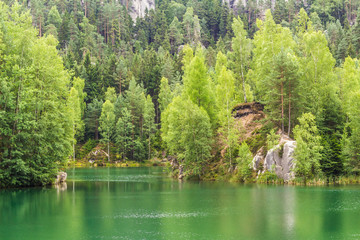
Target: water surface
x,y
142,203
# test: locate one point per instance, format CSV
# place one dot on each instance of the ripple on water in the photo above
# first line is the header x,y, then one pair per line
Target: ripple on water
x,y
157,215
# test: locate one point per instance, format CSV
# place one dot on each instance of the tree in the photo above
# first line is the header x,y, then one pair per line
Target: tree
x,y
124,130
149,121
92,116
110,95
165,95
225,92
350,101
282,84
186,129
244,160
197,84
135,102
54,17
75,114
107,122
175,35
318,80
269,41
240,56
35,128
308,147
188,24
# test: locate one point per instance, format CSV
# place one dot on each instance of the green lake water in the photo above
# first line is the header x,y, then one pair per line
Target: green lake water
x,y
142,203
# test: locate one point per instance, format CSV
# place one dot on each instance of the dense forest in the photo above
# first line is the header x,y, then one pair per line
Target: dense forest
x,y
79,74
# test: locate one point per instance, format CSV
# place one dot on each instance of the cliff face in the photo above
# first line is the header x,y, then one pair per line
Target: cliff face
x,y
280,159
137,8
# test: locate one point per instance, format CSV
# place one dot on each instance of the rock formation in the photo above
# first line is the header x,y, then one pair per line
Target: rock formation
x,y
279,159
61,177
137,8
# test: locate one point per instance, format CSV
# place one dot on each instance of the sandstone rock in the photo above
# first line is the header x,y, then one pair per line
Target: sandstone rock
x,y
258,159
137,8
61,177
280,159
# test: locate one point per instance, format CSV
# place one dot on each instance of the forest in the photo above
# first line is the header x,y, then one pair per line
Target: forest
x,y
75,75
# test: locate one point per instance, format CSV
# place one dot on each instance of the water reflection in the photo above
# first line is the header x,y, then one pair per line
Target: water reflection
x,y
144,204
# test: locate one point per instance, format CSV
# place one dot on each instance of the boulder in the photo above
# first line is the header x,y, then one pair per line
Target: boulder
x,y
258,159
280,160
61,177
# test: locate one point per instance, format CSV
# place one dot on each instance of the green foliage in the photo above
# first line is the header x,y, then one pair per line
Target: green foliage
x,y
149,122
286,62
165,95
186,129
124,130
272,139
240,56
244,161
107,123
197,84
308,147
35,125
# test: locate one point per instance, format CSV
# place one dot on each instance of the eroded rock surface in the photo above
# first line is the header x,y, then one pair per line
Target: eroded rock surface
x,y
61,177
279,159
137,8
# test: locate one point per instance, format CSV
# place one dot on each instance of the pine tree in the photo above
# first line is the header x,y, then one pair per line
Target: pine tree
x,y
73,105
149,122
107,124
124,130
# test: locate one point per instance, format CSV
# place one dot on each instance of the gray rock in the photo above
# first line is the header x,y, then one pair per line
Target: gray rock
x,y
137,8
257,160
61,177
181,172
281,161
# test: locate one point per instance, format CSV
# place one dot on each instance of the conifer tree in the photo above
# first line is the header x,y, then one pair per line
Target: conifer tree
x,y
107,123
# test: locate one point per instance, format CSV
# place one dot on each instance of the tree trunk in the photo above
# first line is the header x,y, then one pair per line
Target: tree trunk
x,y
108,151
282,104
40,28
289,127
243,81
96,130
133,138
74,143
149,148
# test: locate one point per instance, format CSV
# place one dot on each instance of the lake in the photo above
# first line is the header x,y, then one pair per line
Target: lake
x,y
143,203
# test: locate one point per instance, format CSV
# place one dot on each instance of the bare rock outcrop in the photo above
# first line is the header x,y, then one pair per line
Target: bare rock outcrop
x,y
279,159
137,8
61,178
